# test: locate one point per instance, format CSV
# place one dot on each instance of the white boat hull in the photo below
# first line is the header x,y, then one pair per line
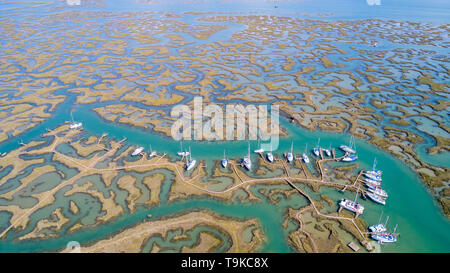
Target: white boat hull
x,y
351,206
137,151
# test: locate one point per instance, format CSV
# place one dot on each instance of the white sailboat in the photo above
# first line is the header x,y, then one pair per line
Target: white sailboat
x,y
152,153
74,125
349,158
191,164
372,182
328,151
385,237
350,148
182,152
373,176
270,155
376,198
377,190
352,205
290,155
316,150
379,228
224,160
259,150
137,151
374,171
247,161
304,155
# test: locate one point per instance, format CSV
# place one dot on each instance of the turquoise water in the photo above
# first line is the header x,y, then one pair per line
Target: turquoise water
x,y
420,221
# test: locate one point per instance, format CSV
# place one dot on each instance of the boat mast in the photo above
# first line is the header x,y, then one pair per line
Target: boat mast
x,y
190,156
387,219
292,146
353,145
395,229
381,216
224,154
249,150
356,196
374,166
318,142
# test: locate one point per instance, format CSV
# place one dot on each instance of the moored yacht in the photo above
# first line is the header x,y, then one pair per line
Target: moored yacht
x,y
74,125
270,155
182,152
247,161
352,205
376,198
378,191
373,177
349,158
372,182
328,151
379,228
350,148
374,170
224,160
304,155
290,155
191,164
259,150
316,150
152,153
137,151
385,237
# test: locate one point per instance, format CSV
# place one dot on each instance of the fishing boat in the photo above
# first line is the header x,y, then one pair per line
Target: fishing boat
x,y
316,150
349,158
376,198
152,153
224,161
247,161
191,164
290,155
377,190
352,205
304,155
350,148
379,228
137,151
